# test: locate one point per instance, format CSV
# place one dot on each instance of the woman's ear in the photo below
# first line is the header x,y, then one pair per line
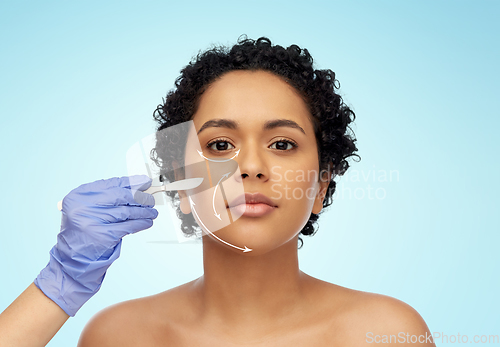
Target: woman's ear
x,y
185,206
324,182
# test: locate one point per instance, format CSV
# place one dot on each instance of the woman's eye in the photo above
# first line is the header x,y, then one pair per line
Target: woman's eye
x,y
219,145
283,145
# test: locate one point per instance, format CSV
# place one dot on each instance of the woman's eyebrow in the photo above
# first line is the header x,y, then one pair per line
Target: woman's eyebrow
x,y
276,123
230,124
218,123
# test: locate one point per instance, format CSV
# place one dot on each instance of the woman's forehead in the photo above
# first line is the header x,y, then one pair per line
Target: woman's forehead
x,y
251,96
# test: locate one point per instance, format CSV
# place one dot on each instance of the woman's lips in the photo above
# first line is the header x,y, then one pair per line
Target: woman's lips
x,y
252,205
253,210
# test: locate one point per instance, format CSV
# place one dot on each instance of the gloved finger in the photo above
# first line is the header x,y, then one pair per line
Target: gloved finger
x,y
117,196
136,182
139,182
129,227
116,214
144,199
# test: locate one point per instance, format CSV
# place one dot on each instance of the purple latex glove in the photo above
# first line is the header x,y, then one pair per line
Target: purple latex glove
x,y
95,217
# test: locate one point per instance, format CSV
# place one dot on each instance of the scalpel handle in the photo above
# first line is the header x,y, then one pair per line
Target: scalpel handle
x,y
189,183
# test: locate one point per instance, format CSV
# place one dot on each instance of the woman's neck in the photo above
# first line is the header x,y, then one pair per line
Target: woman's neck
x,y
243,288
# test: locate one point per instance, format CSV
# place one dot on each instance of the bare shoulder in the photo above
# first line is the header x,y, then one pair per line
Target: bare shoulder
x,y
360,318
111,326
145,321
388,314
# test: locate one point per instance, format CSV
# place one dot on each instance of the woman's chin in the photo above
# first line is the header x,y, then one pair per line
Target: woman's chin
x,y
249,241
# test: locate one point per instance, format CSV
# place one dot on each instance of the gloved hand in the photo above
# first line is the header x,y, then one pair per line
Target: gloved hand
x,y
95,217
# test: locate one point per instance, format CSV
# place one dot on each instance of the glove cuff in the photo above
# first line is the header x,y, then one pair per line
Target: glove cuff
x,y
70,283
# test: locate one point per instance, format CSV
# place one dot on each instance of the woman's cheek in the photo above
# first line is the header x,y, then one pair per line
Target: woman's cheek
x,y
294,184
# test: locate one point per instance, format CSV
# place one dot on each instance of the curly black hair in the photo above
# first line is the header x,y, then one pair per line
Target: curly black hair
x,y
330,115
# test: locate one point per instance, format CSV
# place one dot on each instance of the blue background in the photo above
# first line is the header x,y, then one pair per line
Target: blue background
x,y
79,82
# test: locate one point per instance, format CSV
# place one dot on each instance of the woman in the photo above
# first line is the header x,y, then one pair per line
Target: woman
x,y
283,119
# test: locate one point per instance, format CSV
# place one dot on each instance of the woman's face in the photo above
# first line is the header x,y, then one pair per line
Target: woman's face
x,y
262,123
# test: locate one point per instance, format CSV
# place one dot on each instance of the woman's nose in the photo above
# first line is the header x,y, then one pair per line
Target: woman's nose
x,y
252,165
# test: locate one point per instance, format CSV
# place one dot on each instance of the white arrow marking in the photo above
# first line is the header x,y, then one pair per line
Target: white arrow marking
x,y
215,190
246,249
218,161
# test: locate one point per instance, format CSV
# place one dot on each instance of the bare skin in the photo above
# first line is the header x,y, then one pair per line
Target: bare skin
x,y
31,320
320,314
259,298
